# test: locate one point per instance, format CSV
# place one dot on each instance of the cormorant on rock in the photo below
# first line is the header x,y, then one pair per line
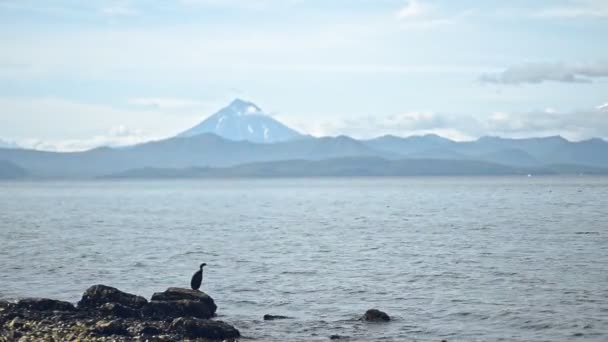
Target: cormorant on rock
x,y
197,278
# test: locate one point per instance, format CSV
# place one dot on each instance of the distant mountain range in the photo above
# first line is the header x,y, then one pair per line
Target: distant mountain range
x,y
243,120
353,167
538,155
241,141
532,152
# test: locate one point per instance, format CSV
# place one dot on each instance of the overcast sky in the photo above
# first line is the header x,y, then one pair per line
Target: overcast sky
x,y
75,74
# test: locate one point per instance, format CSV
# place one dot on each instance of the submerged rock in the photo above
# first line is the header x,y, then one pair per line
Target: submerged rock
x,y
374,315
273,317
98,295
337,337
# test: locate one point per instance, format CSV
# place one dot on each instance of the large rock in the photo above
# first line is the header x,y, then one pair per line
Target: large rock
x,y
204,328
374,315
176,293
194,303
98,295
170,309
268,317
119,310
107,314
44,304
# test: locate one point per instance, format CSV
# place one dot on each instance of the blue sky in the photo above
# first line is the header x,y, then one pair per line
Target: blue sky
x,y
77,74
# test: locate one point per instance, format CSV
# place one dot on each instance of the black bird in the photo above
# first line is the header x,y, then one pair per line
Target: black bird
x,y
197,278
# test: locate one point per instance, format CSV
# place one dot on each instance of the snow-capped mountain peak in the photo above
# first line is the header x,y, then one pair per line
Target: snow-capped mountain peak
x,y
243,120
241,107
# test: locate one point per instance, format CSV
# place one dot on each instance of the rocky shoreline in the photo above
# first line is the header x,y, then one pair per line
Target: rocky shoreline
x,y
107,314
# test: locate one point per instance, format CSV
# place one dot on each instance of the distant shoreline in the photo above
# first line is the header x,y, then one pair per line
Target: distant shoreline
x,y
211,156
270,178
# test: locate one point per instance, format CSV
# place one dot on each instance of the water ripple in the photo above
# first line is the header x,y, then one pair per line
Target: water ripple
x,y
498,259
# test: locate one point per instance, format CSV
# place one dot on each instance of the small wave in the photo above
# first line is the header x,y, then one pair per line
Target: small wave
x,y
55,269
245,290
300,272
504,274
249,302
537,326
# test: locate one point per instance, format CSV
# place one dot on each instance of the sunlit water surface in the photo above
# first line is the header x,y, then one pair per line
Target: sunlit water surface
x,y
462,259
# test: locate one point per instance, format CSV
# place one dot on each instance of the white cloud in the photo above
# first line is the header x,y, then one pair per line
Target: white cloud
x,y
413,9
401,124
370,68
180,51
122,131
78,125
240,4
220,52
421,15
574,125
119,10
116,136
59,124
8,144
45,7
165,102
543,72
578,9
55,119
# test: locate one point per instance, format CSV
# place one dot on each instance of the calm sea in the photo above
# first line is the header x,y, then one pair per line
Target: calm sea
x,y
461,259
